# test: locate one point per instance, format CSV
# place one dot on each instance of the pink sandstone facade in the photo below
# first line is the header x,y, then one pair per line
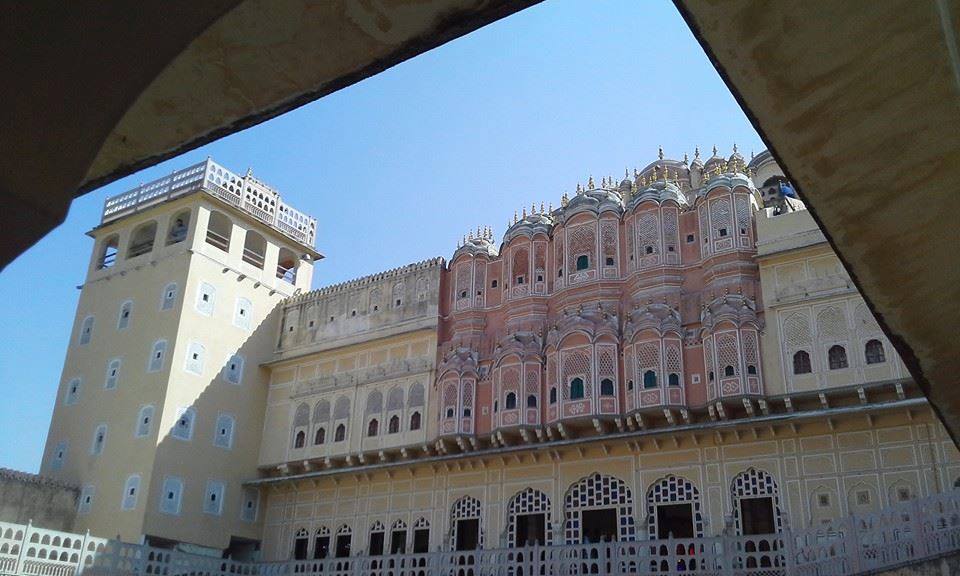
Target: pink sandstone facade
x,y
632,300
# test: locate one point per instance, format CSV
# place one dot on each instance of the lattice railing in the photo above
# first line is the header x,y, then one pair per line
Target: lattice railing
x,y
210,177
903,534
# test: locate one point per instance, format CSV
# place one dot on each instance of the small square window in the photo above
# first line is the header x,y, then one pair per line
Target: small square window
x,y
353,312
823,500
479,292
493,284
375,307
648,249
863,497
690,238
609,261
519,279
331,318
397,303
309,324
539,277
723,232
670,249
560,273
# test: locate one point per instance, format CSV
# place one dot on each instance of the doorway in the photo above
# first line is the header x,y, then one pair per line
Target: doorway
x,y
599,526
757,516
398,542
531,530
343,546
468,534
421,541
675,520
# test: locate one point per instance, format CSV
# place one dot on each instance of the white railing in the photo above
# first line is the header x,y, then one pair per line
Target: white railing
x,y
900,535
210,177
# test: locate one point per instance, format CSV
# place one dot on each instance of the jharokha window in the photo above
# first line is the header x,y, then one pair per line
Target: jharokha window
x,y
576,389
837,356
801,363
583,262
874,352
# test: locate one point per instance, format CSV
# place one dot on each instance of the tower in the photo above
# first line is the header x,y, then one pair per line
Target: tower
x,y
160,408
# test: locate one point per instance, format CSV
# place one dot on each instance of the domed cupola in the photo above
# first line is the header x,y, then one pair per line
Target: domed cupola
x,y
714,164
477,244
659,191
736,162
537,221
591,199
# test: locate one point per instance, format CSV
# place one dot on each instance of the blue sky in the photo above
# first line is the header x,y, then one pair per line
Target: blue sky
x,y
398,167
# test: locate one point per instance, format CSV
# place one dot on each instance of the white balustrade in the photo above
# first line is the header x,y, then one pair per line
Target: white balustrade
x,y
903,534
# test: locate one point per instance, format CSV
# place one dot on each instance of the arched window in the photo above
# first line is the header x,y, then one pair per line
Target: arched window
x,y
450,412
673,379
728,371
108,252
801,362
141,241
130,489
373,428
629,385
606,387
219,229
874,352
301,541
169,296
123,318
397,293
576,389
532,401
223,433
583,262
144,419
113,374
649,379
183,427
320,436
340,433
170,495
234,369
511,401
837,357
287,266
415,421
243,313
553,394
99,439
394,425
86,331
195,356
300,439
254,249
751,369
179,225
156,356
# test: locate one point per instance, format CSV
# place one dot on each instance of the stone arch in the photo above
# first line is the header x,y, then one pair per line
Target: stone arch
x,y
671,490
754,483
465,508
595,492
529,501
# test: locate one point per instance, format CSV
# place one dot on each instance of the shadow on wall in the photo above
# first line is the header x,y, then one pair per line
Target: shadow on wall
x,y
196,494
42,501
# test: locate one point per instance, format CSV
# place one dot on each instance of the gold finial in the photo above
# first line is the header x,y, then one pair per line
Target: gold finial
x,y
734,147
470,235
685,158
714,149
550,207
626,173
579,189
590,183
524,211
643,180
696,153
533,208
676,176
514,216
660,152
564,199
541,207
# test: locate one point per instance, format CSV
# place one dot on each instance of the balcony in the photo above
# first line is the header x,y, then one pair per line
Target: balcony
x,y
246,193
900,535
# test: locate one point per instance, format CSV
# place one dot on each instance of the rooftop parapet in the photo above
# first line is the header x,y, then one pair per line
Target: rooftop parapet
x,y
244,192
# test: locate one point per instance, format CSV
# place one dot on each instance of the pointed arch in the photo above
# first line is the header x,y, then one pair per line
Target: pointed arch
x,y
673,491
595,492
